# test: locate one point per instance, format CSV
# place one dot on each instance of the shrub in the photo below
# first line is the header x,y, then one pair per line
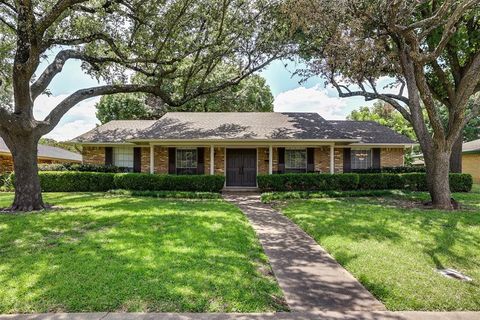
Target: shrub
x,y
379,181
292,195
403,169
415,181
461,182
307,182
69,181
351,181
165,194
150,182
400,169
85,167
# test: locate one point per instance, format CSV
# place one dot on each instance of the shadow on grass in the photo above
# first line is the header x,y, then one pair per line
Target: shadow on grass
x,y
136,255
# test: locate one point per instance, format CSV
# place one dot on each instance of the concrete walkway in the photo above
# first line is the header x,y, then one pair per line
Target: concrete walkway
x,y
310,278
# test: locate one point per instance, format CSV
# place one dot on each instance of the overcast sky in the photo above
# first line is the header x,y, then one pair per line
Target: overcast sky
x,y
290,96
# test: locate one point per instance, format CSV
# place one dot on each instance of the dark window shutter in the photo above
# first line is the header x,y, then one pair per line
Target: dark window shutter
x,y
137,160
310,160
172,166
376,158
347,160
200,160
108,156
281,160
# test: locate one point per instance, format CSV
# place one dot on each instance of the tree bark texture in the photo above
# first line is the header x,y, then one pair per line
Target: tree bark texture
x,y
28,193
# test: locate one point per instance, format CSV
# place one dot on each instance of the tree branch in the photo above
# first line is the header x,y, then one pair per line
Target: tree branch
x,y
39,86
57,10
49,123
390,98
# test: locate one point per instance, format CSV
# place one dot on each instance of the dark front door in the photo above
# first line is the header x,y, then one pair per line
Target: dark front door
x,y
241,167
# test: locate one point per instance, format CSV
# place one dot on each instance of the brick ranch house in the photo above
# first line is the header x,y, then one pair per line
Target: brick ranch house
x,y
242,145
46,155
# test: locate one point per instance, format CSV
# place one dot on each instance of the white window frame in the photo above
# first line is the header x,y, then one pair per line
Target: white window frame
x,y
296,168
177,161
369,156
123,157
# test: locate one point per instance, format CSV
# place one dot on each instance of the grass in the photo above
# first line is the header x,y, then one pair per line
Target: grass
x,y
132,254
394,251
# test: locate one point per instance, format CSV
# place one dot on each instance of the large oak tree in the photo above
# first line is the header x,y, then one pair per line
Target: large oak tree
x,y
180,42
431,50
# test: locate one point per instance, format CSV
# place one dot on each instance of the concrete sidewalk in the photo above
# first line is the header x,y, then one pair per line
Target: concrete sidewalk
x,y
327,315
310,278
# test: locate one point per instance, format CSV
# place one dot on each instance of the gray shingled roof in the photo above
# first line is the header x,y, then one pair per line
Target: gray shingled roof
x,y
49,152
472,146
115,131
241,125
370,132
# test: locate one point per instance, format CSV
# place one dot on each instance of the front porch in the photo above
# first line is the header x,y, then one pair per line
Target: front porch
x,y
241,162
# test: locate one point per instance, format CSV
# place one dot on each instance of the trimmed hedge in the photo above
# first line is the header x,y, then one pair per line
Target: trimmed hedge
x,y
70,181
307,182
459,182
380,181
164,194
152,182
83,167
268,197
352,181
401,169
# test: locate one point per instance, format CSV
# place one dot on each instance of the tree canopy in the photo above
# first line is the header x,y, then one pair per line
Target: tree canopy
x,y
428,52
175,46
252,94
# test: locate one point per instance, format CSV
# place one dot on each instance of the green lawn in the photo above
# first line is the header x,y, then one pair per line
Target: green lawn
x,y
394,251
133,254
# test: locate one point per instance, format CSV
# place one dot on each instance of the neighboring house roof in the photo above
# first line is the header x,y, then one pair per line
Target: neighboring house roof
x,y
472,146
241,126
49,152
370,132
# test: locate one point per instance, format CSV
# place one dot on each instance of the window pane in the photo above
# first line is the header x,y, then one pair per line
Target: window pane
x,y
186,158
123,157
295,159
361,159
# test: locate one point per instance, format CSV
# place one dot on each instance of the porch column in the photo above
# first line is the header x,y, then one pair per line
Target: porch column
x,y
212,160
270,160
332,159
152,159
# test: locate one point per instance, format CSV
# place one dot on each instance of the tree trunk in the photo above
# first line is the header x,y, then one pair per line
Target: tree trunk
x,y
437,179
28,193
456,157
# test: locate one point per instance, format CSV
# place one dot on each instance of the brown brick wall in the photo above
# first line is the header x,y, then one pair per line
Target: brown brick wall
x,y
219,160
6,163
262,160
161,160
338,160
322,159
207,160
93,155
391,157
145,160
